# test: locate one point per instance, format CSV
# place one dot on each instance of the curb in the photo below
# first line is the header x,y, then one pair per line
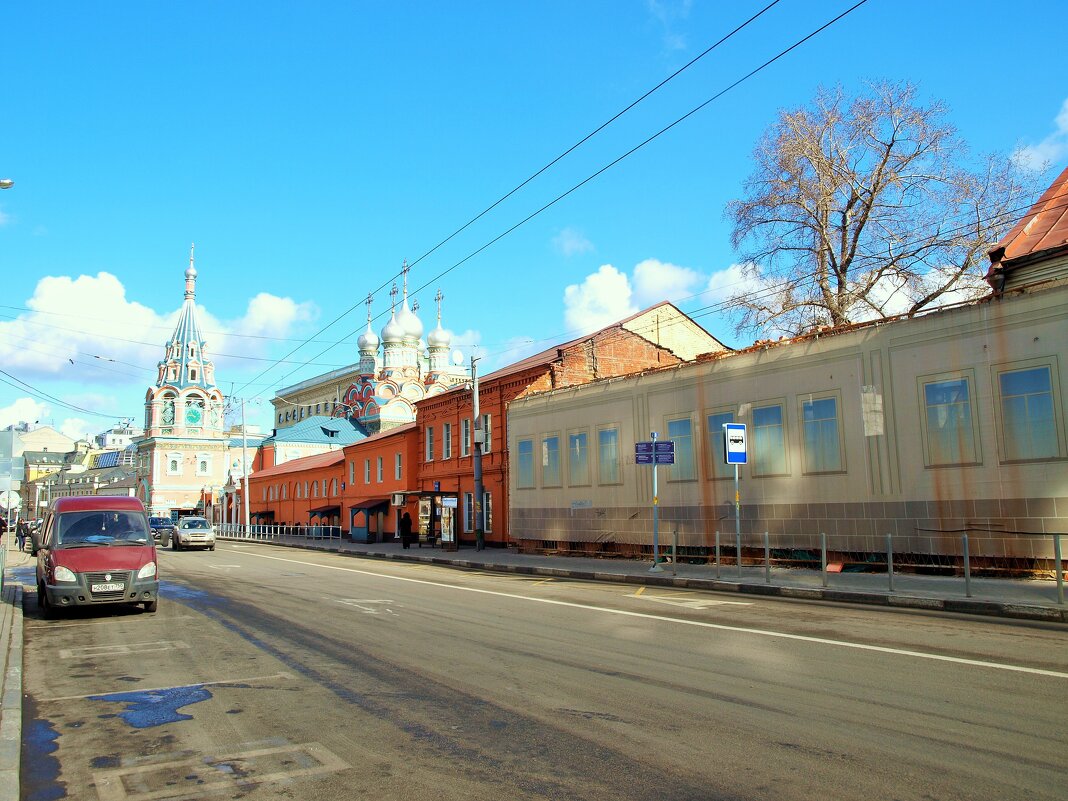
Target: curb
x,y
11,698
968,606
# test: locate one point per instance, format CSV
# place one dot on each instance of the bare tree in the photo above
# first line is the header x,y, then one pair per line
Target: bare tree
x,y
866,207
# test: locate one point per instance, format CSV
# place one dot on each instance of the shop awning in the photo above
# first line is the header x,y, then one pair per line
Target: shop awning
x,y
369,503
323,509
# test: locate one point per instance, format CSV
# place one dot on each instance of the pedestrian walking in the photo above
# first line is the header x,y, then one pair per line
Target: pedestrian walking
x,y
20,535
406,530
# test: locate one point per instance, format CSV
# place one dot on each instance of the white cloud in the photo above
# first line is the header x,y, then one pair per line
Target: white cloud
x,y
655,281
76,428
1050,150
23,410
571,241
727,282
602,298
78,324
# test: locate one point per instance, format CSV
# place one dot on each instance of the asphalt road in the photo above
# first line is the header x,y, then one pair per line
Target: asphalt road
x,y
277,674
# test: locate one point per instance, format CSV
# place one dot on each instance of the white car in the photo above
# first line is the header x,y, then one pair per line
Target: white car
x,y
193,532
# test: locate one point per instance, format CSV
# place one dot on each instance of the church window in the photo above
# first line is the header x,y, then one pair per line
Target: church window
x,y
192,374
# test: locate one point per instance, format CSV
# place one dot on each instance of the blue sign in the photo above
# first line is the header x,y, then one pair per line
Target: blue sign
x,y
643,448
654,452
664,447
643,458
734,450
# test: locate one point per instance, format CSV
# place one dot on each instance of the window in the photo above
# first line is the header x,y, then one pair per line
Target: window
x,y
718,468
285,491
822,442
192,374
174,464
398,466
202,467
352,473
680,432
608,456
296,488
469,511
279,417
487,512
578,459
525,474
366,471
465,437
446,440
1028,419
950,429
333,487
378,471
306,495
487,433
430,443
769,441
315,489
550,461
318,408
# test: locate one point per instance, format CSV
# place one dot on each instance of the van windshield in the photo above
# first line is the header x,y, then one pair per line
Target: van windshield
x,y
74,529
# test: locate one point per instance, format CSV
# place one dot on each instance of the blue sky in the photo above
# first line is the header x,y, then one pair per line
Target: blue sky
x,y
308,148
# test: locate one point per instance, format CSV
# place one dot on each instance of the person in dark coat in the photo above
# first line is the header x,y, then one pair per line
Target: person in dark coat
x,y
406,530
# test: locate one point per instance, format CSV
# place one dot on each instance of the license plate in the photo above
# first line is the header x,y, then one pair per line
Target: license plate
x,y
113,586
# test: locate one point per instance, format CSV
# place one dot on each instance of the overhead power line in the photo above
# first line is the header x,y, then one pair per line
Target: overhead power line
x,y
600,171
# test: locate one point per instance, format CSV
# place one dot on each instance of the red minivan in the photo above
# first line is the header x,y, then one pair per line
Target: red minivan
x,y
96,550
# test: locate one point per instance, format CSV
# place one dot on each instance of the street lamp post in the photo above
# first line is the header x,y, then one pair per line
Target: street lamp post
x,y
480,532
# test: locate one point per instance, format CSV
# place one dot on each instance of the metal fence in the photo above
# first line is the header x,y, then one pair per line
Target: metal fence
x,y
962,554
270,533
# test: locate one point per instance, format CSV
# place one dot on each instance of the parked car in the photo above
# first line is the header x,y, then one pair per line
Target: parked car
x,y
193,532
161,529
95,550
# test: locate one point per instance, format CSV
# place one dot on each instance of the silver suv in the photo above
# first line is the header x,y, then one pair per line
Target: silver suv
x,y
193,532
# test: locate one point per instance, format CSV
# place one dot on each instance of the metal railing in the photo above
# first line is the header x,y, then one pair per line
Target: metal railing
x,y
990,556
272,533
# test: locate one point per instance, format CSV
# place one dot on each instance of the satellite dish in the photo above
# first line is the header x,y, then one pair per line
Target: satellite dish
x,y
457,357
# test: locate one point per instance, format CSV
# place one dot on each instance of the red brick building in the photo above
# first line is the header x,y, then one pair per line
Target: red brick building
x,y
657,337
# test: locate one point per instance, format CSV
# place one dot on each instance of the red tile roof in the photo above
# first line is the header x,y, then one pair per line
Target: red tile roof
x,y
305,463
1044,227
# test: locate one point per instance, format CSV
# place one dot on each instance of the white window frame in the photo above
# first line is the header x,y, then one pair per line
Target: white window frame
x,y
465,437
446,440
429,450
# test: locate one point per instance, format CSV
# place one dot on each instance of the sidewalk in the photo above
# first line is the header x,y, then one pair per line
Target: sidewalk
x,y
1012,598
11,672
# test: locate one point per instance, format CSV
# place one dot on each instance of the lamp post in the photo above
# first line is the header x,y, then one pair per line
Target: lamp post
x,y
480,532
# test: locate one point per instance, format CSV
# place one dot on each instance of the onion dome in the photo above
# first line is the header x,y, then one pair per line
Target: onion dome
x,y
368,340
439,337
413,326
393,330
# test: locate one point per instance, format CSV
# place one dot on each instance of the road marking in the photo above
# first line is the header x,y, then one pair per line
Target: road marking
x,y
124,649
160,689
359,604
542,581
207,775
108,622
220,567
882,649
688,602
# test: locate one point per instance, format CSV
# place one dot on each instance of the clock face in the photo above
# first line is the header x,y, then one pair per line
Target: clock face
x,y
192,416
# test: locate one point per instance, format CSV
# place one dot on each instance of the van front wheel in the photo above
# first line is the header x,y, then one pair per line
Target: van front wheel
x,y
152,606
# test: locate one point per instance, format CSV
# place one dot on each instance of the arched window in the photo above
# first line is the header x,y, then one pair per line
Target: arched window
x,y
285,491
279,417
333,487
315,489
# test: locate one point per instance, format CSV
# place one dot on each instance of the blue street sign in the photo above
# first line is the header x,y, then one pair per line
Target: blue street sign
x,y
664,458
734,450
643,447
643,458
664,447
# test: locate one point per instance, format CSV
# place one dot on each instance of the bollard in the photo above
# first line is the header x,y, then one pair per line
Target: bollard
x,y
823,558
717,555
967,570
767,559
1059,568
890,560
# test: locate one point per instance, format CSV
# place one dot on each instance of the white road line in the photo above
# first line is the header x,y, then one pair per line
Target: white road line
x,y
161,689
700,624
